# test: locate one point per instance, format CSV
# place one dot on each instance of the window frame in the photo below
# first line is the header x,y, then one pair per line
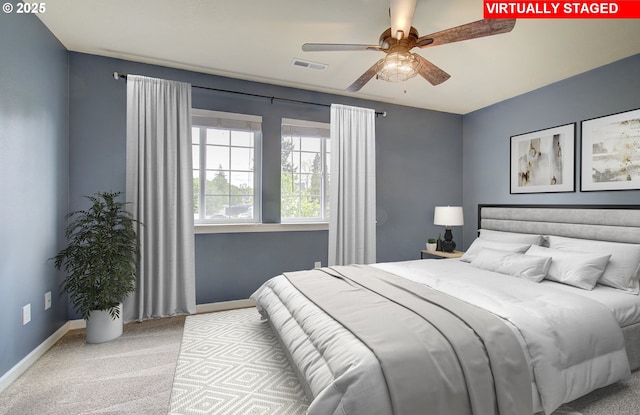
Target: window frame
x,y
203,119
325,173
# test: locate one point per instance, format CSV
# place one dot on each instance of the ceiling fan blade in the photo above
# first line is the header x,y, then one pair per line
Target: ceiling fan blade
x,y
481,28
401,13
337,47
431,72
364,78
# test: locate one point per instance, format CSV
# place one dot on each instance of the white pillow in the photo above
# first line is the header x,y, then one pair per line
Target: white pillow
x,y
511,237
532,268
579,269
479,243
623,270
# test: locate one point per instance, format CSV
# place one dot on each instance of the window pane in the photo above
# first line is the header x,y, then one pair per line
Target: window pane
x,y
310,163
195,135
241,183
196,194
216,206
218,136
242,138
217,157
241,158
327,205
287,180
295,143
303,184
195,155
297,185
217,183
311,144
309,208
240,208
290,206
315,185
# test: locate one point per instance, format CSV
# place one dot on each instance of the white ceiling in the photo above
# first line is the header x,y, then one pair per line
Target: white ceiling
x,y
258,39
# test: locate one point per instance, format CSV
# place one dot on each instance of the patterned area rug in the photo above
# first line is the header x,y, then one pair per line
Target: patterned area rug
x,y
231,363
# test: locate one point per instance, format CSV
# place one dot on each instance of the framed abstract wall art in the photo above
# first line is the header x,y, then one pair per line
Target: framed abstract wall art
x,y
544,161
611,152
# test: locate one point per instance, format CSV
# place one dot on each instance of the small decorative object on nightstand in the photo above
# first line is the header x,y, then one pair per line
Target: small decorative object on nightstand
x,y
448,216
431,244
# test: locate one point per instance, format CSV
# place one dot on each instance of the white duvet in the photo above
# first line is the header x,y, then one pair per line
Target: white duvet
x,y
574,344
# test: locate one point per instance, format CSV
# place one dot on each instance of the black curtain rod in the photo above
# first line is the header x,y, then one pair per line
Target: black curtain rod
x,y
116,75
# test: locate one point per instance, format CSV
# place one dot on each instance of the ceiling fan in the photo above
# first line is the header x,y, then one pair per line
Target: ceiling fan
x,y
399,64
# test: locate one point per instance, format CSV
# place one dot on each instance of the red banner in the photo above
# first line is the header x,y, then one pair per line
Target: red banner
x,y
624,9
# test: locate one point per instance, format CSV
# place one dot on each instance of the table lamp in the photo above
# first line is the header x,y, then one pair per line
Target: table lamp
x,y
448,216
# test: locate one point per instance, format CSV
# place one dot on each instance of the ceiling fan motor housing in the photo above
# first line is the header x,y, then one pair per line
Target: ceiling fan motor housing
x,y
388,42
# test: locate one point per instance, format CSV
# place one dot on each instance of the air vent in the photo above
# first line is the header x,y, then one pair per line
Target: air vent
x,y
309,65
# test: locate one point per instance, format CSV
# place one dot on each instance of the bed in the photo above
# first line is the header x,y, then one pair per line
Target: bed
x,y
543,308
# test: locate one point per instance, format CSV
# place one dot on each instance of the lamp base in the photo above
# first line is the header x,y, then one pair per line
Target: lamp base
x,y
448,245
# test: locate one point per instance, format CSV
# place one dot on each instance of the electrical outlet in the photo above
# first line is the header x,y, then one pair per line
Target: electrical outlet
x,y
317,264
47,300
26,314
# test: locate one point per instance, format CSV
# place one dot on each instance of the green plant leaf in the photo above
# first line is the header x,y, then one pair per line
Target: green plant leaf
x,y
101,256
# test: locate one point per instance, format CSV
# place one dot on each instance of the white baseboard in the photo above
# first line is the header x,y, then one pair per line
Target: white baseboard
x,y
224,305
21,367
77,324
15,372
200,308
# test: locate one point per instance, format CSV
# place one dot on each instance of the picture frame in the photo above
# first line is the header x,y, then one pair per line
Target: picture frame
x,y
543,161
611,152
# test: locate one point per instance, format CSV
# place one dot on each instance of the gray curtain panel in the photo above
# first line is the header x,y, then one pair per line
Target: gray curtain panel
x,y
160,193
352,221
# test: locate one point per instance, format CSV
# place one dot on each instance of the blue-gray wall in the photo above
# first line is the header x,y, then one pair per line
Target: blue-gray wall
x,y
486,135
34,144
418,154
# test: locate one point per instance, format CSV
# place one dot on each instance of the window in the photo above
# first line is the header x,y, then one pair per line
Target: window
x,y
226,167
304,173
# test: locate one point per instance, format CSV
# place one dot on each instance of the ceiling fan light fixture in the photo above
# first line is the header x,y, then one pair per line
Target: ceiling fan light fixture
x,y
398,67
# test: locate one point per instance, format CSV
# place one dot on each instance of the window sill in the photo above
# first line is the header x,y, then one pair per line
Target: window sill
x,y
259,227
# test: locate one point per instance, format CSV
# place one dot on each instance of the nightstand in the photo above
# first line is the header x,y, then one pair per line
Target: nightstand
x,y
441,254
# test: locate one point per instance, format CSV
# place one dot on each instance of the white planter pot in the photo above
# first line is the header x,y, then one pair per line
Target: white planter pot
x,y
431,247
102,328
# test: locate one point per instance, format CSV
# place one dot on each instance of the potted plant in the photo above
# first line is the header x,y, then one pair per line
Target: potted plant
x,y
100,261
431,244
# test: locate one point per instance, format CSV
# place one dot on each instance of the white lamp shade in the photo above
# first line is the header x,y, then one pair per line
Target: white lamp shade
x,y
448,216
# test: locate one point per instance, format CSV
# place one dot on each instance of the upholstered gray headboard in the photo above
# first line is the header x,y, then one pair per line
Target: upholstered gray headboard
x,y
618,223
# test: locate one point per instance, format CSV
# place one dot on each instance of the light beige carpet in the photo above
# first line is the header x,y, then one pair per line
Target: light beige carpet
x,y
129,375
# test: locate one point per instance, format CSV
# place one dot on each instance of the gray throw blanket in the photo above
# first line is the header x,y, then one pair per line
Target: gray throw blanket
x,y
439,355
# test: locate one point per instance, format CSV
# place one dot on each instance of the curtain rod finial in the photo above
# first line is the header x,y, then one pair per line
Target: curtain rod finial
x,y
116,75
